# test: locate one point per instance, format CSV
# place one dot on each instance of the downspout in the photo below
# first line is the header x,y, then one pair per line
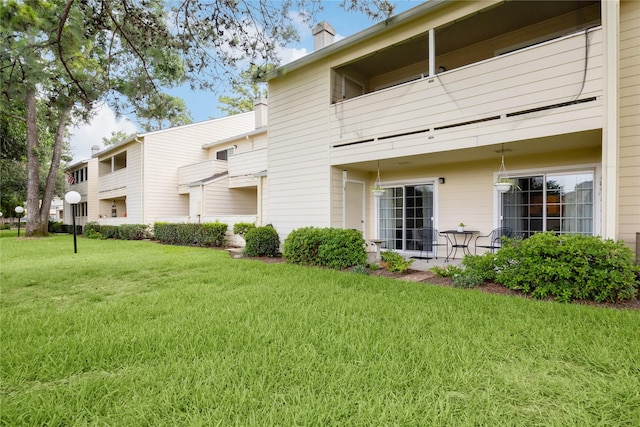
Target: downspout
x,y
344,198
610,19
142,193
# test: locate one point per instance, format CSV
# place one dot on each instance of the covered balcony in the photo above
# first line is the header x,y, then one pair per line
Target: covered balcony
x,y
198,172
243,168
472,82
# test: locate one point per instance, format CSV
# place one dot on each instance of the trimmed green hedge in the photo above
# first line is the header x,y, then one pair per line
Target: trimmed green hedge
x,y
206,234
331,247
242,227
565,267
261,241
121,232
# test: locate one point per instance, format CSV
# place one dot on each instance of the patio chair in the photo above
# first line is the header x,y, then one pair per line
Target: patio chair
x,y
494,239
430,240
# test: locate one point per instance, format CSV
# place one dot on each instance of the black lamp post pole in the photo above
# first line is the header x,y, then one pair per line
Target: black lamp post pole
x,y
73,213
18,225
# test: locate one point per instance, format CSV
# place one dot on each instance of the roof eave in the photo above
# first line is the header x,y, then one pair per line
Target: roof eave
x,y
387,24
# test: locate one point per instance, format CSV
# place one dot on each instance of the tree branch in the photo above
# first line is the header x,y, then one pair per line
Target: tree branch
x,y
63,20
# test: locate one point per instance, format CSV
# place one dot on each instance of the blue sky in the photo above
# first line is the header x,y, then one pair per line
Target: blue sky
x,y
204,105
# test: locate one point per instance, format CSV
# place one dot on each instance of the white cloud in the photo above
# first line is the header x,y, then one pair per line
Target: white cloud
x,y
103,123
290,54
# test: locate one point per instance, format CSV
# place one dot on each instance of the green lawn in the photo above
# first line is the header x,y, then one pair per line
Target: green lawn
x,y
140,334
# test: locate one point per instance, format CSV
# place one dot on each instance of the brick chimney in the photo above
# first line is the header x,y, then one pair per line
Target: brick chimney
x,y
322,35
260,108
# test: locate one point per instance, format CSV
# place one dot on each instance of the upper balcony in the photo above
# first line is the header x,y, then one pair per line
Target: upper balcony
x,y
244,166
113,184
80,187
549,63
198,172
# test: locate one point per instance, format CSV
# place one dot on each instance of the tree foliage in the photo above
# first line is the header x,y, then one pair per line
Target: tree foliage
x,y
246,88
70,55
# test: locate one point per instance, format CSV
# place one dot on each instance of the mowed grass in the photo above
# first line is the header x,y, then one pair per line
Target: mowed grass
x,y
140,334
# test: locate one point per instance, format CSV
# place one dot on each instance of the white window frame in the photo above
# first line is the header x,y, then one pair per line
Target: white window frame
x,y
596,168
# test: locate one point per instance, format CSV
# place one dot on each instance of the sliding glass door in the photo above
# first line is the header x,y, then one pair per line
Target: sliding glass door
x,y
563,203
402,211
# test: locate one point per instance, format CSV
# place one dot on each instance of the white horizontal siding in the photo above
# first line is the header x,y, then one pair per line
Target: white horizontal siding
x,y
196,172
298,151
168,150
248,163
219,199
629,124
535,77
575,118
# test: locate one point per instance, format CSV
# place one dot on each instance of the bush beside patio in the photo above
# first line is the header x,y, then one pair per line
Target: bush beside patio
x,y
565,267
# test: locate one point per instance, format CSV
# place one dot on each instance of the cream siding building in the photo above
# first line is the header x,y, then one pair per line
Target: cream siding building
x,y
432,98
142,180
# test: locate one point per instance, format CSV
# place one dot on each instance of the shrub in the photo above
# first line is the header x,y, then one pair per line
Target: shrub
x,y
91,226
132,231
212,234
110,231
331,247
481,266
57,227
449,271
395,262
360,269
341,248
5,226
186,234
467,279
207,234
242,227
261,241
567,267
301,246
92,234
165,232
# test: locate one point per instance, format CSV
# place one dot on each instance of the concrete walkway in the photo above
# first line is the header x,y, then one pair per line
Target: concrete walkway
x,y
425,265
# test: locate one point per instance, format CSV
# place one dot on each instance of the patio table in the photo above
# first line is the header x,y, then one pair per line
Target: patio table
x,y
458,239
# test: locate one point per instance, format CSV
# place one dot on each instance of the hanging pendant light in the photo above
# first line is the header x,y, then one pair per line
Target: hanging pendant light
x,y
503,183
378,191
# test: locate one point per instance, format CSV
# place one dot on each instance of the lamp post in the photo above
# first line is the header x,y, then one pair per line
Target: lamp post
x,y
73,198
19,210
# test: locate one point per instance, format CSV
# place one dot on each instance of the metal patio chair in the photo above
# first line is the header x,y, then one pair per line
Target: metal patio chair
x,y
430,240
494,241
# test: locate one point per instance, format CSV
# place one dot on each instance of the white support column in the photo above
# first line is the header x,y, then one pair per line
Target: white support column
x,y
432,52
610,19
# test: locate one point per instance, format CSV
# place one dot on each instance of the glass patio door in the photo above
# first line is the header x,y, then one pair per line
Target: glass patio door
x,y
560,202
402,211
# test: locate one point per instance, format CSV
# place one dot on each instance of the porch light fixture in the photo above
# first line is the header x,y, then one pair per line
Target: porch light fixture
x,y
503,183
378,191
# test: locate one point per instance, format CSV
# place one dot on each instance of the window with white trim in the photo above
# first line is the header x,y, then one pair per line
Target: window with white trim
x,y
559,202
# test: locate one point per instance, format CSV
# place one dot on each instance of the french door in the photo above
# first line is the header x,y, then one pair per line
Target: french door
x,y
559,202
402,211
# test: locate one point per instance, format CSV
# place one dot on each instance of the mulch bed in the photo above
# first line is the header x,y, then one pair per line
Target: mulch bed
x,y
490,287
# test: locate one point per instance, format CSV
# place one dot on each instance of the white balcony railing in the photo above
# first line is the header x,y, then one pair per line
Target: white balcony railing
x,y
560,71
199,171
113,181
80,187
248,163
